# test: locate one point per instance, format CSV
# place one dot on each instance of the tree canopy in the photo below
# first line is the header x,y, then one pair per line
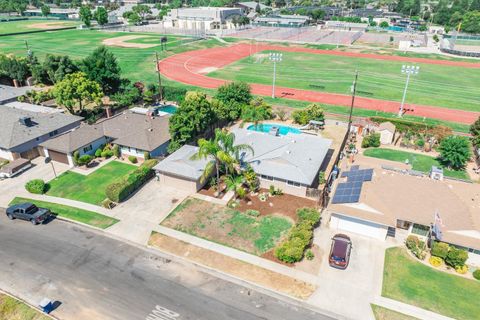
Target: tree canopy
x,y
475,132
455,151
101,15
76,90
86,15
102,66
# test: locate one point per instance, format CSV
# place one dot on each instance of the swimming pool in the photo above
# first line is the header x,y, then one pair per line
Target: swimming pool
x,y
265,127
168,109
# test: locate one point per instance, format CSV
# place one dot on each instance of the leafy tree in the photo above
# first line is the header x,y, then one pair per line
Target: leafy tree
x,y
86,15
192,119
471,22
234,92
76,90
142,10
101,15
258,110
383,24
45,10
475,132
312,112
14,68
127,95
455,152
102,66
54,69
132,17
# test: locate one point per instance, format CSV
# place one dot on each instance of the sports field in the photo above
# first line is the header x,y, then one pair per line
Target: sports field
x,y
137,64
436,85
32,25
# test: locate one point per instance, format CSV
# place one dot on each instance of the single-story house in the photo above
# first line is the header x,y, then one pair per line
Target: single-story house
x,y
178,170
396,205
291,162
135,134
23,131
25,106
10,93
387,132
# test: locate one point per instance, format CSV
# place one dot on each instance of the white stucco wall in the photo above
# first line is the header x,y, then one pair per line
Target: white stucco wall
x,y
300,191
5,154
126,151
473,259
358,226
95,145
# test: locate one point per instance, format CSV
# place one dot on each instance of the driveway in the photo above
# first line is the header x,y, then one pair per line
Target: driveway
x,y
15,186
144,210
349,292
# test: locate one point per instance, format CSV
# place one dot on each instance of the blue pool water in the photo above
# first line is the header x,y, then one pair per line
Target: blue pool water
x,y
168,109
396,28
265,127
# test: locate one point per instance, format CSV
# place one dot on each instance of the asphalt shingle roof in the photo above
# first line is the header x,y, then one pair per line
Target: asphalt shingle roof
x,y
180,164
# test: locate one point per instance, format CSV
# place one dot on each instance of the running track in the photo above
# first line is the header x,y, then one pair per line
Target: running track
x,y
190,68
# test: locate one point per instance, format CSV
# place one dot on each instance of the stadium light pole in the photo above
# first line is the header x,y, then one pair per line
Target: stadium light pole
x,y
408,70
275,57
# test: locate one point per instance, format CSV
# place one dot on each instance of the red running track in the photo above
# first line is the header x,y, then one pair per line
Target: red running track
x,y
190,68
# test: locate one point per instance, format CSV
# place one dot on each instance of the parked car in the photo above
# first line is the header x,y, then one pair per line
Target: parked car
x,y
340,251
28,211
15,167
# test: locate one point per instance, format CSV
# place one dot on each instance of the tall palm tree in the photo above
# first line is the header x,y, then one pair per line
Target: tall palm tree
x,y
227,143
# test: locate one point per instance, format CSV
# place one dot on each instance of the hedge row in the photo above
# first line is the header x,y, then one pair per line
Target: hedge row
x,y
300,236
403,125
120,189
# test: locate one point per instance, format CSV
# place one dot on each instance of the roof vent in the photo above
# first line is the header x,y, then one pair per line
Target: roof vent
x,y
26,121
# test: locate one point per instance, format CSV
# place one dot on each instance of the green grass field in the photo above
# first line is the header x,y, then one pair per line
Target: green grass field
x,y
80,215
13,309
32,25
409,281
444,86
418,161
91,188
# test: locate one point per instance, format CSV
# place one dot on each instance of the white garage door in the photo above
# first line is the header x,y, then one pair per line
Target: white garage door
x,y
358,226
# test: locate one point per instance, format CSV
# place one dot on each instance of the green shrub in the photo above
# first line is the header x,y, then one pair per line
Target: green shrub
x,y
36,186
132,159
416,246
290,251
107,153
146,155
84,160
476,274
412,242
309,255
456,257
321,177
372,140
312,112
440,249
253,213
435,261
150,163
98,153
116,151
311,215
76,156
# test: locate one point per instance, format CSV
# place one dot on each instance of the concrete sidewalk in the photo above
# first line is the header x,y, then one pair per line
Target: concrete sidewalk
x,y
239,255
408,309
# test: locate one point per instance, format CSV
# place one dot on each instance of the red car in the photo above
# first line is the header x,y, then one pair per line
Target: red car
x,y
340,251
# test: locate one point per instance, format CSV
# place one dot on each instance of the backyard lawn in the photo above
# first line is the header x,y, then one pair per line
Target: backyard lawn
x,y
90,188
228,226
419,162
13,309
80,215
409,281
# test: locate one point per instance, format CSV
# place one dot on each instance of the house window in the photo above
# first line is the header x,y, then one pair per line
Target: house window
x,y
270,178
420,229
53,133
86,149
293,183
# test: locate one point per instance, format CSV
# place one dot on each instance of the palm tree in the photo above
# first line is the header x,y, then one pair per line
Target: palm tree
x,y
227,143
234,183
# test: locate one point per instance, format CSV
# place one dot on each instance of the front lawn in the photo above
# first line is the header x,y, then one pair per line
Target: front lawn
x,y
228,226
88,217
412,282
13,309
91,188
419,162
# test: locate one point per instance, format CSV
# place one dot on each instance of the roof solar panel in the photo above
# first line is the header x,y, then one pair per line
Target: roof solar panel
x,y
353,168
349,192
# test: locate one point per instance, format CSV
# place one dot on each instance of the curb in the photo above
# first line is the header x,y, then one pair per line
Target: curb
x,y
28,304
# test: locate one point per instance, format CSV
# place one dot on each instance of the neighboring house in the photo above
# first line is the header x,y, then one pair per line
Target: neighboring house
x,y
23,131
24,106
202,18
290,162
10,94
282,21
397,205
179,171
387,132
135,134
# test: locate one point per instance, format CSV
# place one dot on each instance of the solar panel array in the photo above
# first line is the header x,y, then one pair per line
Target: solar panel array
x,y
349,192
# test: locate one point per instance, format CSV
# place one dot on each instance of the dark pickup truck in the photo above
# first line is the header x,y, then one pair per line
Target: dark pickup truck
x,y
28,211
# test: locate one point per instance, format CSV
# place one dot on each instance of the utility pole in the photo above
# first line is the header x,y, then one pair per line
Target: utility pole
x,y
160,93
354,91
275,57
408,70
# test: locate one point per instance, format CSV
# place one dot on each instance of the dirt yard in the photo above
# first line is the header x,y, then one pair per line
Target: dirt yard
x,y
240,269
121,42
230,227
284,205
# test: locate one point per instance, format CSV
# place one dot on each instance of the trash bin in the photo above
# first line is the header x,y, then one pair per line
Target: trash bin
x,y
46,305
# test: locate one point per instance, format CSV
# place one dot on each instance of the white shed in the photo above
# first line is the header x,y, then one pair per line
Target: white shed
x,y
387,132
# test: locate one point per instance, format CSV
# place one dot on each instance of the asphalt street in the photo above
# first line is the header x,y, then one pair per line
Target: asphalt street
x,y
97,277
